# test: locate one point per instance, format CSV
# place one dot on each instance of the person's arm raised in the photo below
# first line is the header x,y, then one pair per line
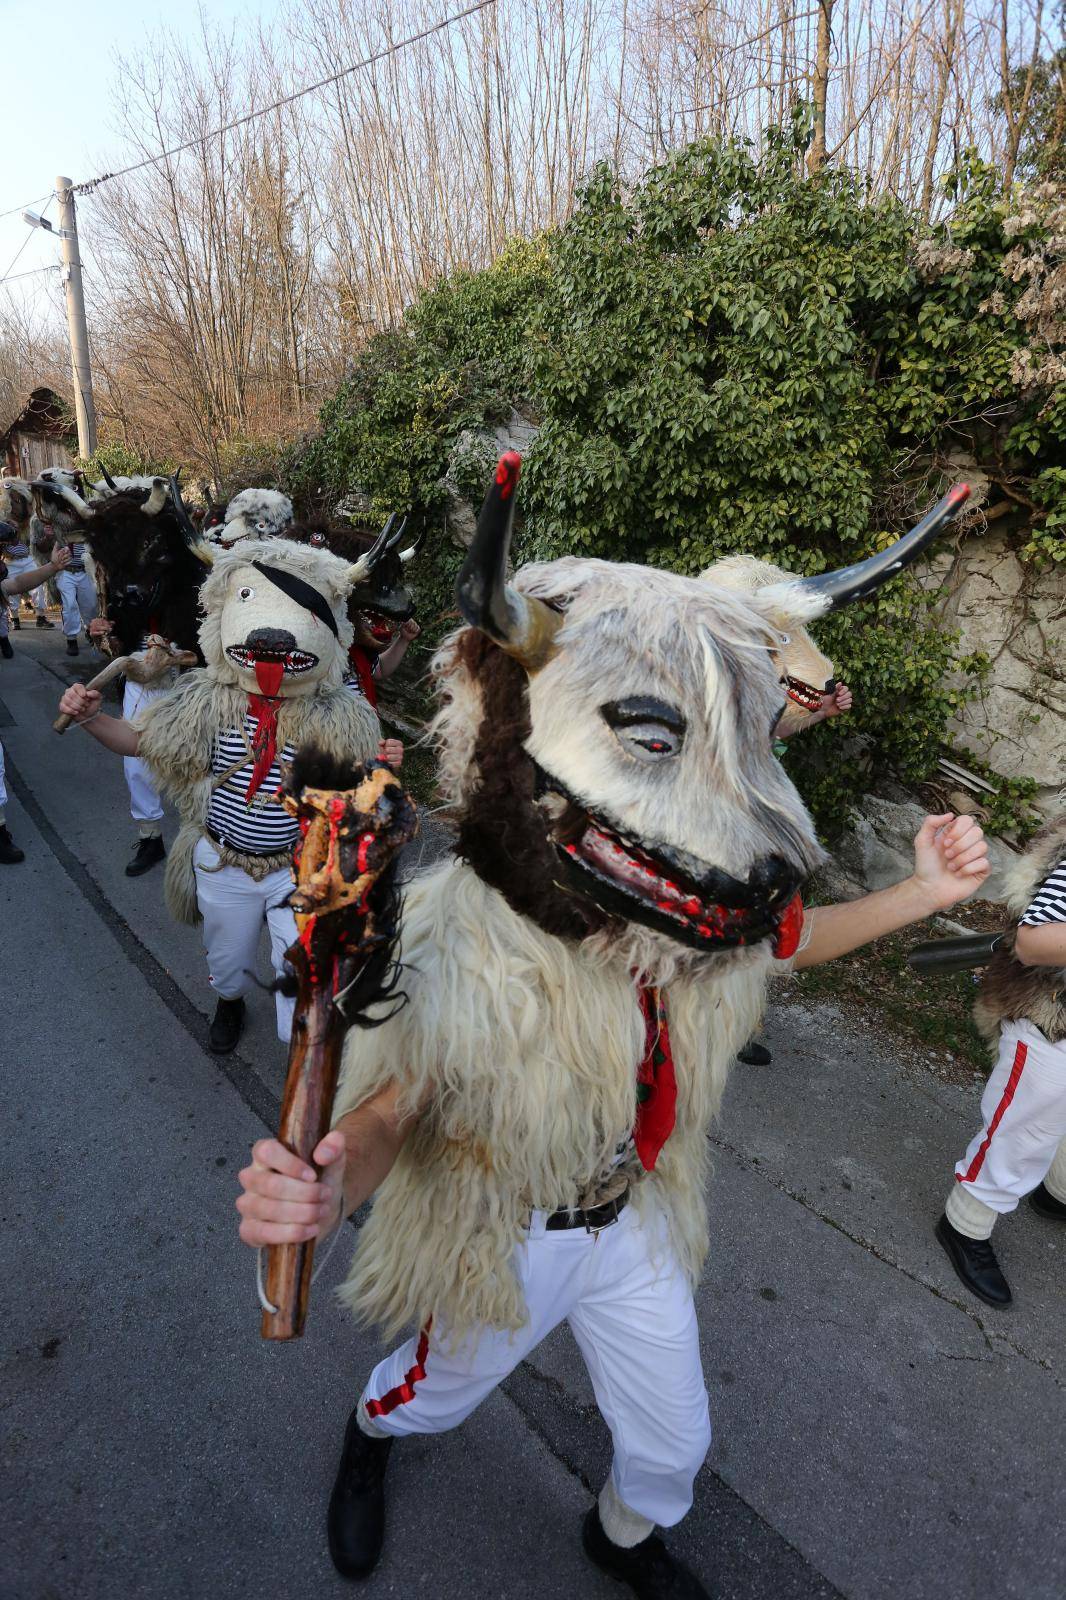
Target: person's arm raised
x,y
114,733
950,864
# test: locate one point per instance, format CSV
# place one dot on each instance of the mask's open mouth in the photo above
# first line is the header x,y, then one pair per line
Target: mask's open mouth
x,y
706,910
804,694
379,627
293,663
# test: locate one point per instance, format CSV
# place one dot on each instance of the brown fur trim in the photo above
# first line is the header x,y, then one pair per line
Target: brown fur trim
x,y
502,832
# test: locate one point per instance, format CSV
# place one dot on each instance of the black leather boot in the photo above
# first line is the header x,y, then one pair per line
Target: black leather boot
x,y
975,1262
1044,1203
16,622
5,648
10,854
355,1521
226,1026
144,858
648,1567
43,622
754,1054
72,647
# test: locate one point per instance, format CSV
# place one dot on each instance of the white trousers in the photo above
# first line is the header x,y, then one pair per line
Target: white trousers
x,y
234,908
77,592
630,1309
146,808
1023,1112
16,566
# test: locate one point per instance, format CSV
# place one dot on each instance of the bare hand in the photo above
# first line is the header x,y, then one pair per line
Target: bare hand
x,y
99,628
391,752
284,1200
61,557
409,630
80,703
837,703
950,859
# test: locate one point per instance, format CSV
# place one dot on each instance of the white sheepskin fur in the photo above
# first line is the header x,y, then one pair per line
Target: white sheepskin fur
x,y
255,514
520,1050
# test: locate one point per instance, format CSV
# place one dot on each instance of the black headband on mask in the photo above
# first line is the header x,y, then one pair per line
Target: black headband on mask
x,y
303,593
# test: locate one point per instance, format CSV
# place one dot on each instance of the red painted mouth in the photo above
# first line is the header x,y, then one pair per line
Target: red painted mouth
x,y
271,667
379,627
804,694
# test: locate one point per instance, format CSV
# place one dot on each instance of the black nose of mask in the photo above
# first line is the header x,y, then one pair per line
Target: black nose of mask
x,y
274,641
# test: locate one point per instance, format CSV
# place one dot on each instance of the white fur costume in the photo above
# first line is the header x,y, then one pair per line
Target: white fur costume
x,y
182,729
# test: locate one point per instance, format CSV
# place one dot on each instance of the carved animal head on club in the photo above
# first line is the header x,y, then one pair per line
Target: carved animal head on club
x,y
253,514
606,744
806,674
143,541
275,617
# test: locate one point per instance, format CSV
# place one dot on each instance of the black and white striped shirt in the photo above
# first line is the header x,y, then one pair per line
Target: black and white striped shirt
x,y
1049,902
259,825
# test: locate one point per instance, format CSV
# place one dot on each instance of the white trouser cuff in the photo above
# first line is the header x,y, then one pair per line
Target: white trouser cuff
x,y
968,1215
1055,1182
367,1424
149,830
622,1526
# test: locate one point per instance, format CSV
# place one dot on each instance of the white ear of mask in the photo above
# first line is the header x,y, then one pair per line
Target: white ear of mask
x,y
255,514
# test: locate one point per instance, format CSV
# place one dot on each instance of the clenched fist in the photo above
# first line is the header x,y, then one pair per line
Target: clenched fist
x,y
284,1200
391,752
80,703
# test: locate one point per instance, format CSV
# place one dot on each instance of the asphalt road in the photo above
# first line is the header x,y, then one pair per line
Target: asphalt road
x,y
877,1433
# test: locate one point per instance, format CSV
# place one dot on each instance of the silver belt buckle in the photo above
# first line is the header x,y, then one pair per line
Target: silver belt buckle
x,y
598,1229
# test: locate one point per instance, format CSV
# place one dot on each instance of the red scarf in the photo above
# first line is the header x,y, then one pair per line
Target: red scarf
x,y
656,1083
264,708
363,663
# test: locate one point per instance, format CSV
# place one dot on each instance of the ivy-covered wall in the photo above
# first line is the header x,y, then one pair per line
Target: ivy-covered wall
x,y
729,355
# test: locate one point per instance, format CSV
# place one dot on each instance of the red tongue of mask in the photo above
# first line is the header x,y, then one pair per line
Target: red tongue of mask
x,y
268,675
787,937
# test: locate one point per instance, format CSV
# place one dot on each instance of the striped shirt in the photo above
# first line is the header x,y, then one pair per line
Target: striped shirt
x,y
1049,902
259,826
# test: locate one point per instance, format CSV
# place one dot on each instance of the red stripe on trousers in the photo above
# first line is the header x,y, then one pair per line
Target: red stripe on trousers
x,y
1005,1099
404,1391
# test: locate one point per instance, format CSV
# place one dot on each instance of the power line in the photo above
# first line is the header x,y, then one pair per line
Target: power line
x,y
415,38
34,272
23,206
29,235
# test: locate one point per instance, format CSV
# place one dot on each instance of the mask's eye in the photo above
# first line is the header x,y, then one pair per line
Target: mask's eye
x,y
261,527
245,594
647,729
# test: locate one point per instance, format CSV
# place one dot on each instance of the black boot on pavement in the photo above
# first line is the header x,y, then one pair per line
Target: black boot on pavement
x,y
5,648
144,858
648,1567
355,1521
43,622
754,1054
226,1026
10,854
72,647
16,622
1044,1203
975,1262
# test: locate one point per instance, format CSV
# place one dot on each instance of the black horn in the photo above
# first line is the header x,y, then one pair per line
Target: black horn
x,y
862,579
108,479
522,626
181,511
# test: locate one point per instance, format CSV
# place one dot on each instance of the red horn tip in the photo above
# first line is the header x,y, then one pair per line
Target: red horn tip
x,y
507,469
960,493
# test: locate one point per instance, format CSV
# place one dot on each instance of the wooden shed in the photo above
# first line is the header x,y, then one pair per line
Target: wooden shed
x,y
42,435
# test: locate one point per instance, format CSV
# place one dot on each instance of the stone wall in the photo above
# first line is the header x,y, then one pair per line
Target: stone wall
x,y
1017,616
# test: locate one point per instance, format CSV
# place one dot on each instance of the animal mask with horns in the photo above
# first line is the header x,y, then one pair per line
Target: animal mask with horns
x,y
606,743
275,617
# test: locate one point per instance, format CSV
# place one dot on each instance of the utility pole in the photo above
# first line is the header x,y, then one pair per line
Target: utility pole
x,y
76,328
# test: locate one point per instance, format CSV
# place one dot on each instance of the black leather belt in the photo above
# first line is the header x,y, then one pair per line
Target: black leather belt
x,y
592,1221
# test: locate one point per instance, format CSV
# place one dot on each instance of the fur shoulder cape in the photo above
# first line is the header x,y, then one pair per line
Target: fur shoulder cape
x,y
177,736
518,1053
1009,990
